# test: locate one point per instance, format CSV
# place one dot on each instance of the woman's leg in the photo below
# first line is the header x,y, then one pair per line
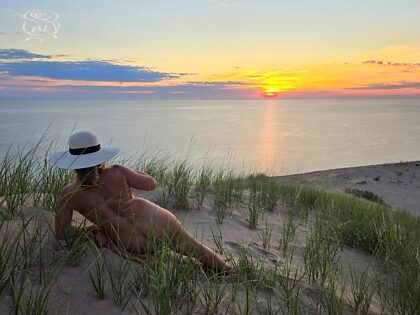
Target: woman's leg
x,y
184,243
163,224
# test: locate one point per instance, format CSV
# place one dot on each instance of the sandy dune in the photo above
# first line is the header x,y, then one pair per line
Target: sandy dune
x,y
398,184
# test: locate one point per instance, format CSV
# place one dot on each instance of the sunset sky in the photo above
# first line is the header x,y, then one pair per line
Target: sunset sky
x,y
209,49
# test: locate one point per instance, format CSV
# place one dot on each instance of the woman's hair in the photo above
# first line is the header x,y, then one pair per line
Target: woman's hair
x,y
89,176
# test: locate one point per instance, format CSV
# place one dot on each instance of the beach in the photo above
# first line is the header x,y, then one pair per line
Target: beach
x,y
398,184
272,255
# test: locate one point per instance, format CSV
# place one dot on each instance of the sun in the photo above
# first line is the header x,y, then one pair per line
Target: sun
x,y
270,92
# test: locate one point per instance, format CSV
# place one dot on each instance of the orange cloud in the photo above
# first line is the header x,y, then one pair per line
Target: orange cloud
x,y
364,74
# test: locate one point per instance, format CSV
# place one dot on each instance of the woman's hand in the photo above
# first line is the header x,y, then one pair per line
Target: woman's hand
x,y
91,231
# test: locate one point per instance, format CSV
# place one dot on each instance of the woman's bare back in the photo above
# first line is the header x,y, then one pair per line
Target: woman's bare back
x,y
112,206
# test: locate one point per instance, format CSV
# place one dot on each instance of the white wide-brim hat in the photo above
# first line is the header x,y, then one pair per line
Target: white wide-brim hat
x,y
84,151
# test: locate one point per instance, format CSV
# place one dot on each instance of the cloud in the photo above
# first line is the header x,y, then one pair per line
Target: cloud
x,y
398,86
182,90
87,70
185,87
217,83
389,63
20,54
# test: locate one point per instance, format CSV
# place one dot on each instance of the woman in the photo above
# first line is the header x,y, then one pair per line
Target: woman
x,y
103,194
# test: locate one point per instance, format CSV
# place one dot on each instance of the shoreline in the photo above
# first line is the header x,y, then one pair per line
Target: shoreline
x,y
346,168
398,184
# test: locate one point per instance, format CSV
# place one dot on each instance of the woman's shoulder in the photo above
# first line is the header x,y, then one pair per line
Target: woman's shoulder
x,y
114,173
112,167
122,169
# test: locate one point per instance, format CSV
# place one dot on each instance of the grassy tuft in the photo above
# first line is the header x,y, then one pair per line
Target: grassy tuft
x,y
365,194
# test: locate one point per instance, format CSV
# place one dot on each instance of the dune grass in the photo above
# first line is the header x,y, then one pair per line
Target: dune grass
x,y
97,277
365,194
204,179
171,284
362,290
228,190
265,235
391,235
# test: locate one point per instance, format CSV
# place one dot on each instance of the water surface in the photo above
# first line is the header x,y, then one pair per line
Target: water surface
x,y
276,136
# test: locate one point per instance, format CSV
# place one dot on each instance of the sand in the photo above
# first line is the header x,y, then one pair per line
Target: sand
x,y
398,184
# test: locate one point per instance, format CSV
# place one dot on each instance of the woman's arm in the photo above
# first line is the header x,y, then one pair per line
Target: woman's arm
x,y
138,180
63,228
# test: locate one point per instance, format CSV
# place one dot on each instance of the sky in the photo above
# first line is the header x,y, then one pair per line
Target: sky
x,y
209,48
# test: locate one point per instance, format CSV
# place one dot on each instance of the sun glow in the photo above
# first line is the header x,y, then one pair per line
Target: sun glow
x,y
270,92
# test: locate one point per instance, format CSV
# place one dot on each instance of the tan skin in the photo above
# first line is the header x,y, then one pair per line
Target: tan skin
x,y
129,221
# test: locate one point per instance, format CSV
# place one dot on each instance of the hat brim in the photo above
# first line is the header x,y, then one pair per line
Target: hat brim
x,y
63,159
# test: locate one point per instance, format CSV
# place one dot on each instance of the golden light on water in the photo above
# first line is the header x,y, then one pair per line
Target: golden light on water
x,y
268,139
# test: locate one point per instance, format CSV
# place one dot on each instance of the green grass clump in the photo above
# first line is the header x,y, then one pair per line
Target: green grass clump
x,y
26,174
268,191
119,280
250,269
322,251
225,185
333,293
22,263
265,235
218,241
97,277
171,280
48,185
289,280
255,209
179,181
9,253
362,290
203,182
264,194
154,163
213,292
365,194
391,235
16,179
256,200
288,230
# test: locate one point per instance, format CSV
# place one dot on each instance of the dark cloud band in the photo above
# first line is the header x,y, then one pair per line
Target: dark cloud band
x,y
389,63
19,62
20,54
84,71
401,85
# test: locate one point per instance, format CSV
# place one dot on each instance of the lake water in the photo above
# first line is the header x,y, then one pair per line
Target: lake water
x,y
271,135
